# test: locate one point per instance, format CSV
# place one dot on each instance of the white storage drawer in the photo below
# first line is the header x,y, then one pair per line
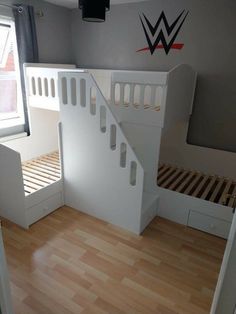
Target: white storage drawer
x,y
209,224
44,208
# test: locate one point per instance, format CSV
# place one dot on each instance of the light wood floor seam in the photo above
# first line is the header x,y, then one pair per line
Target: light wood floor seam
x,y
71,263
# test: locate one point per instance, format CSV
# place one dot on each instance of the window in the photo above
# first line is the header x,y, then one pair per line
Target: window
x,y
12,120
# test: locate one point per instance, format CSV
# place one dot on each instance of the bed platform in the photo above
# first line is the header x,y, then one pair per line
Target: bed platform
x,y
41,172
196,199
29,190
194,183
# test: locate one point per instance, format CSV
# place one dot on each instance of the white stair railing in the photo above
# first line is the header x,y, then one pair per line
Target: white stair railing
x,y
102,173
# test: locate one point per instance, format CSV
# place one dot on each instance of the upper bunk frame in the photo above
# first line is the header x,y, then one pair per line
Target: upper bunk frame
x,y
42,84
143,97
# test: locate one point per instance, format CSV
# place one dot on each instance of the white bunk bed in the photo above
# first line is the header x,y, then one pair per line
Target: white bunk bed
x,y
111,126
30,190
33,189
110,132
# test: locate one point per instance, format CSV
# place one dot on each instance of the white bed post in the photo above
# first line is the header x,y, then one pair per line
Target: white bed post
x,y
12,195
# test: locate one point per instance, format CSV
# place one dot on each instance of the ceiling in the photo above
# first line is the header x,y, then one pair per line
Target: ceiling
x,y
72,4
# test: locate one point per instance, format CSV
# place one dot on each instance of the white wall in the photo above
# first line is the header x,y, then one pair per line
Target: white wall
x,y
43,138
175,150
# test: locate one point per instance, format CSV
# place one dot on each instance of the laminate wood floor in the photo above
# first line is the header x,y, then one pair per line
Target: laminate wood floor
x,y
73,263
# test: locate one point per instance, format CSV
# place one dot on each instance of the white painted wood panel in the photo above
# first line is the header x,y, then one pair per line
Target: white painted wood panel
x,y
94,182
5,294
225,298
209,224
12,196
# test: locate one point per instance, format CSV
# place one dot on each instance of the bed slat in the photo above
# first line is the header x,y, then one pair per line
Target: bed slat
x,y
196,184
41,172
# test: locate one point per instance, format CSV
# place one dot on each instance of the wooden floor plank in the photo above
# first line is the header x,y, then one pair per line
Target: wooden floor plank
x,y
71,263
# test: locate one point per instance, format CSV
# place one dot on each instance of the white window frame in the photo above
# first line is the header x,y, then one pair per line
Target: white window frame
x,y
13,124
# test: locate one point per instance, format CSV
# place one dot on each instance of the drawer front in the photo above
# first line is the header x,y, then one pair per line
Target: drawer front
x,y
209,224
44,208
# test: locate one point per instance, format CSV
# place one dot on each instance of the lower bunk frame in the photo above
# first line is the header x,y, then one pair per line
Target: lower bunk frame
x,y
203,215
23,199
195,199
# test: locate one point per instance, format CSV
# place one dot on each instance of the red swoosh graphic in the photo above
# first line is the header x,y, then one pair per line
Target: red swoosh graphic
x,y
174,46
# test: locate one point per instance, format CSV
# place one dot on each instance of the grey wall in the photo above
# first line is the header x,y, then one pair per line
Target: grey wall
x,y
53,31
210,48
55,46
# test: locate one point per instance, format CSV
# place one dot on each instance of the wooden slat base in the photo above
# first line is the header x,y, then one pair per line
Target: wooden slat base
x,y
196,184
41,172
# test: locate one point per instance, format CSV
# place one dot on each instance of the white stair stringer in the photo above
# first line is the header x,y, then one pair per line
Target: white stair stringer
x,y
94,181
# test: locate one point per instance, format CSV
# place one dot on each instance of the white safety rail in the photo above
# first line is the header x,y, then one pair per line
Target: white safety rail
x,y
139,97
102,174
153,98
42,84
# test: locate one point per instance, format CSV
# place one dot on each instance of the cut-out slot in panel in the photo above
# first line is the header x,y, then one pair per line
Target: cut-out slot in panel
x,y
133,173
64,91
127,95
159,95
93,100
46,86
117,93
137,95
83,93
103,119
33,86
147,97
40,86
73,91
123,154
52,83
113,137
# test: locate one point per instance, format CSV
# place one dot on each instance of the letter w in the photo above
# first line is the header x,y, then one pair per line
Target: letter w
x,y
169,29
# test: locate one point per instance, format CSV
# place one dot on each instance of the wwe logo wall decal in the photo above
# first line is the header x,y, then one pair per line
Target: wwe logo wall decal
x,y
163,34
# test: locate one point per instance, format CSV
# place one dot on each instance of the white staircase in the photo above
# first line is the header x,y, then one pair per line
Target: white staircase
x,y
102,174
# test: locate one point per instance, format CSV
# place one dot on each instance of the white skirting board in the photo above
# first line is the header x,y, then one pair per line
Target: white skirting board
x,y
194,212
